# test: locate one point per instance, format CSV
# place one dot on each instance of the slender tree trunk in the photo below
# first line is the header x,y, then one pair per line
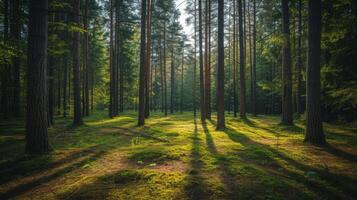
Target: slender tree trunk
x,y
182,63
142,81
85,61
65,75
162,80
235,100
172,76
77,120
287,111
111,62
195,64
314,130
242,106
220,71
15,33
51,61
254,73
36,119
59,90
202,86
299,105
207,81
165,88
148,59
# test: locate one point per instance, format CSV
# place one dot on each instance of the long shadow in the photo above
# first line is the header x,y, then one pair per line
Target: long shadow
x,y
23,188
224,171
339,153
13,169
195,189
343,183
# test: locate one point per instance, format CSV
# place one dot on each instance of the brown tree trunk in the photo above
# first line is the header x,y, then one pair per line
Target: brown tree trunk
x,y
77,120
181,95
235,60
164,72
5,68
36,119
220,69
314,131
111,63
172,76
207,70
202,86
85,61
142,80
195,63
299,105
148,59
242,106
254,75
287,111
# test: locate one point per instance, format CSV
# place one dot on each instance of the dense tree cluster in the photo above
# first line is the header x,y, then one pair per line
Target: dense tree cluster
x,y
70,57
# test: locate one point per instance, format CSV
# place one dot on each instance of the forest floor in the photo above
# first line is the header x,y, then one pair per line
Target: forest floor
x,y
177,157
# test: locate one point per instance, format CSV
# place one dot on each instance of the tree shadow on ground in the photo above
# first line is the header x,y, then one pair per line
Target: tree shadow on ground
x,y
196,188
90,155
336,186
225,176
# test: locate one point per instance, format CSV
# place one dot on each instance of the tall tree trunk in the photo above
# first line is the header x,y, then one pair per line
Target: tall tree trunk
x,y
172,76
182,63
161,79
85,61
299,105
235,60
254,71
207,63
314,131
111,63
287,111
51,63
242,106
36,119
195,63
202,86
148,59
142,81
165,88
15,34
77,120
220,69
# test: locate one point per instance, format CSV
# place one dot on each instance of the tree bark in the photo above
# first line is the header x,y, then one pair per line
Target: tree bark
x,y
148,59
314,131
202,86
85,61
299,105
287,111
220,70
77,120
242,105
254,71
142,81
36,118
5,69
195,63
172,76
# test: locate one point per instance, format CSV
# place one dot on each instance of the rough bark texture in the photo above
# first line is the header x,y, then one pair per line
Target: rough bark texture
x,y
36,118
314,131
287,111
148,59
207,62
242,106
164,72
77,119
195,63
5,68
142,81
235,60
202,86
220,69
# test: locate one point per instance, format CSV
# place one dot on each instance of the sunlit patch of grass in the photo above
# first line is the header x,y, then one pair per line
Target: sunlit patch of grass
x,y
177,157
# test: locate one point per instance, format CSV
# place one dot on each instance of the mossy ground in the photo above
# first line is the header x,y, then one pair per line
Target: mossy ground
x,y
177,157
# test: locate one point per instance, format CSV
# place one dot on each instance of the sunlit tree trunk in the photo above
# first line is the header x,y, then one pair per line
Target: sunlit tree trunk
x,y
242,105
202,86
